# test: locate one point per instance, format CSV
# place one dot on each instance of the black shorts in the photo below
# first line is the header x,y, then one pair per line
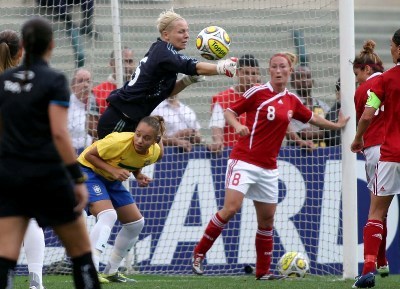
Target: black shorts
x,y
42,191
113,120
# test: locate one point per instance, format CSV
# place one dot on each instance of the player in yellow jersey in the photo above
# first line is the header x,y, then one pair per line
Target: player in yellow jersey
x,y
108,162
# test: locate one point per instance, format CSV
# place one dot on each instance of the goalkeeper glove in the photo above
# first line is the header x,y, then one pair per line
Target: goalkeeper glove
x,y
190,79
227,67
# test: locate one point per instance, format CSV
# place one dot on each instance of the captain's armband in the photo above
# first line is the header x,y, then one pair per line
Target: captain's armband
x,y
373,100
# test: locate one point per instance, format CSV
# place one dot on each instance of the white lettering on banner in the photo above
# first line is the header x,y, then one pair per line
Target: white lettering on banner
x,y
142,249
284,226
329,251
149,171
290,206
198,173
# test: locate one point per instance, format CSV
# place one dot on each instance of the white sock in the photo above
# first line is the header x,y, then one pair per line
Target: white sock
x,y
124,242
100,233
34,246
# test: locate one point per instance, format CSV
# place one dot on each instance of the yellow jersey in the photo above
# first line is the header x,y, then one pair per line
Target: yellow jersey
x,y
117,149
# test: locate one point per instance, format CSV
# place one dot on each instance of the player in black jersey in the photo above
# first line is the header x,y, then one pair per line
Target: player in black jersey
x,y
39,175
155,78
34,245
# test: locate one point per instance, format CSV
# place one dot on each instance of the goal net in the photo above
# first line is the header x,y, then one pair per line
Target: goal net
x,y
188,187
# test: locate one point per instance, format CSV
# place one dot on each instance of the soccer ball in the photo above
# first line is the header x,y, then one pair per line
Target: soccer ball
x,y
213,43
293,264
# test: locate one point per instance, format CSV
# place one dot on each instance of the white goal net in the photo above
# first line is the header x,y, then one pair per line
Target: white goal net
x,y
188,187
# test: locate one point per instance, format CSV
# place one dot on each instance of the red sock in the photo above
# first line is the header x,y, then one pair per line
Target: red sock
x,y
213,230
264,245
381,259
373,232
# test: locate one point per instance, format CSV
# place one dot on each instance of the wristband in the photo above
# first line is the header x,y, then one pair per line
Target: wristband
x,y
75,172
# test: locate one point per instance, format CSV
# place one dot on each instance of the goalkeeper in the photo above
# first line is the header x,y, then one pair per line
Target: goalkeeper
x,y
155,78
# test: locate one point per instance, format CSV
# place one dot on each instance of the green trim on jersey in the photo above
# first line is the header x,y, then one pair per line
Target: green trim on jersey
x,y
373,100
130,168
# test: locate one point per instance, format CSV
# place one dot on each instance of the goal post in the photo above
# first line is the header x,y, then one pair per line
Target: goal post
x,y
318,208
116,32
349,175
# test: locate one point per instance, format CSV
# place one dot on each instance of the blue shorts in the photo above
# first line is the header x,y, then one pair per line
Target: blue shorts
x,y
102,189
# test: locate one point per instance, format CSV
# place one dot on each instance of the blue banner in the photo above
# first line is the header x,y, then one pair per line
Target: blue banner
x,y
188,188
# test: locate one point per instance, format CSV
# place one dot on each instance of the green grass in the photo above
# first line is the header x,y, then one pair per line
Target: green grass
x,y
209,282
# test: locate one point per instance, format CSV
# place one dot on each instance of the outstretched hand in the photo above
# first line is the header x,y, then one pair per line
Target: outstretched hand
x,y
227,67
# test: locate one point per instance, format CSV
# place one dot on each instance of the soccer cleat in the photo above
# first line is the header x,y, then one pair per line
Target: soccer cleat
x,y
271,277
383,271
102,279
365,281
34,281
197,264
118,277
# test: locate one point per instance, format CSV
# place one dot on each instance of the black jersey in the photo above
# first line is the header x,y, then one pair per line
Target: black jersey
x,y
153,80
24,115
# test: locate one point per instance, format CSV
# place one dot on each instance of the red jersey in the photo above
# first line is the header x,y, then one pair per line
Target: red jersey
x,y
375,132
225,99
102,91
268,114
387,88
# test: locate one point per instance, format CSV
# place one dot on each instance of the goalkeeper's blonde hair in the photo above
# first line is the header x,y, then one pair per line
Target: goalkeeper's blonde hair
x,y
166,18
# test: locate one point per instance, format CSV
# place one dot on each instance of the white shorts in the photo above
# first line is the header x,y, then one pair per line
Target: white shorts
x,y
372,155
387,179
257,184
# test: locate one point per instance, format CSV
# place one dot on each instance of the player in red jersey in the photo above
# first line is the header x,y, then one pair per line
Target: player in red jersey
x,y
252,167
367,66
386,182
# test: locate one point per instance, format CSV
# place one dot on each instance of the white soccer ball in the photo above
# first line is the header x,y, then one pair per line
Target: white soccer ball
x,y
213,43
294,264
